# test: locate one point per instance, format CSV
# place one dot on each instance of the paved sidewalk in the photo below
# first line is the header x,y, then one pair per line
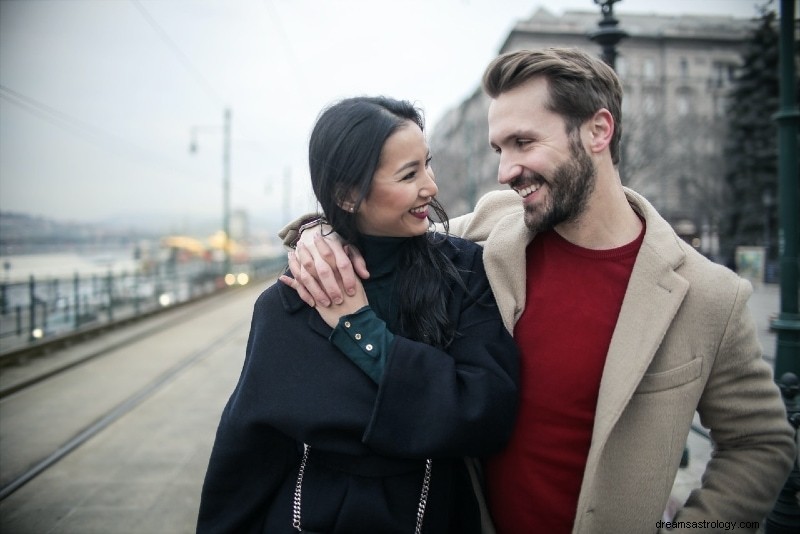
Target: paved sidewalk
x,y
765,305
143,472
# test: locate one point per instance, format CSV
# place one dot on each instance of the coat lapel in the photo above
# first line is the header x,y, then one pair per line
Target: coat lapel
x,y
504,260
655,292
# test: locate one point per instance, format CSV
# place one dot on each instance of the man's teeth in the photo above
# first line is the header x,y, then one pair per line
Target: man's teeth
x,y
525,191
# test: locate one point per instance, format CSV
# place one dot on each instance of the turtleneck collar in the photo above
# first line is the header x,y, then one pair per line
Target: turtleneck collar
x,y
381,253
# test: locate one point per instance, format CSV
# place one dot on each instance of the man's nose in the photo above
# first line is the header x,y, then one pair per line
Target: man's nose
x,y
507,170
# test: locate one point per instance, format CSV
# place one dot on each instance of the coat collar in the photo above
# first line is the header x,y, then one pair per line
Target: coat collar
x,y
292,303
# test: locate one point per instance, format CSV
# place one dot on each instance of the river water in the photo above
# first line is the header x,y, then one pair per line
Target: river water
x,y
19,268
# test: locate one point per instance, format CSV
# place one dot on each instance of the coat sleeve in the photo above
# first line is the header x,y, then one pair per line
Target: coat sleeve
x,y
462,401
754,443
249,461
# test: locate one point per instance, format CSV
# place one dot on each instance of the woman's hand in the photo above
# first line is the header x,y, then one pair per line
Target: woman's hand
x,y
349,305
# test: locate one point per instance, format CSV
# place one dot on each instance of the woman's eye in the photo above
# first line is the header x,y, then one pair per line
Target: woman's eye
x,y
428,161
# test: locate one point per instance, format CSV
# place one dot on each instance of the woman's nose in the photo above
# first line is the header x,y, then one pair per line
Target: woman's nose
x,y
430,189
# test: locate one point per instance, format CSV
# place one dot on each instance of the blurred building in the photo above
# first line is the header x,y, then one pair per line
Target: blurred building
x,y
676,73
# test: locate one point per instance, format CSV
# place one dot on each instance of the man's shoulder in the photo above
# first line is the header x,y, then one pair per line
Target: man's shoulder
x,y
661,237
490,210
708,276
498,203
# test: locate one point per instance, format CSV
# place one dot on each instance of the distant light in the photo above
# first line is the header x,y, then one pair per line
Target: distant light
x,y
165,299
242,279
696,242
37,333
230,279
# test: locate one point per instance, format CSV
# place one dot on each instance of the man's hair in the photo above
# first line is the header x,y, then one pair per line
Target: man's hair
x,y
579,84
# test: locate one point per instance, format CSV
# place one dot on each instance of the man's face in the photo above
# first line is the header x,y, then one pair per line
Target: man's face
x,y
548,168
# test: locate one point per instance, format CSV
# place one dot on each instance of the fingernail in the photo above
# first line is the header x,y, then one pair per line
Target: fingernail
x,y
351,292
338,300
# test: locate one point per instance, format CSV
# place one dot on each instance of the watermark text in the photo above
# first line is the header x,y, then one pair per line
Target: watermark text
x,y
716,525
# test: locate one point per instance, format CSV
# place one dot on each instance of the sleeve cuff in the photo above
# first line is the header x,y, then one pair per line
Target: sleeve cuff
x,y
364,338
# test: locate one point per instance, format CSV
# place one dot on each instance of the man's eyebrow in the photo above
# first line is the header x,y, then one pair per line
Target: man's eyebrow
x,y
516,134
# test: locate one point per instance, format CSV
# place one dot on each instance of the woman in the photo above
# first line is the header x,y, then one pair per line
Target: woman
x,y
355,418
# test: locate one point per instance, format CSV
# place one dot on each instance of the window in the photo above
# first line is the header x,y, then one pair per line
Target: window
x,y
720,104
682,105
649,104
621,67
684,66
683,101
627,92
722,73
718,74
732,72
649,69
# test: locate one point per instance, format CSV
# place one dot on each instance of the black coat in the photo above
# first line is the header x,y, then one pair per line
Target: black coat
x,y
367,441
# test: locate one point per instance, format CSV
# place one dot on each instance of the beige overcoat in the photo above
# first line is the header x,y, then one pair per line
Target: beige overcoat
x,y
684,342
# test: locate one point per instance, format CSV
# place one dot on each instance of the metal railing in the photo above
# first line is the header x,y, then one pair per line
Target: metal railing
x,y
38,310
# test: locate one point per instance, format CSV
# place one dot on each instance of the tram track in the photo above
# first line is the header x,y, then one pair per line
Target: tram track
x,y
115,336
51,414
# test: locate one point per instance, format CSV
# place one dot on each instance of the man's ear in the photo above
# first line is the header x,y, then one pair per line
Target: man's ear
x,y
601,127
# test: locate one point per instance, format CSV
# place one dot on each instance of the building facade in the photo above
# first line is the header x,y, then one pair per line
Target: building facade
x,y
676,73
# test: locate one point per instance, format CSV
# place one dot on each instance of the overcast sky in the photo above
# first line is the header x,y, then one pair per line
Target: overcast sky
x,y
98,98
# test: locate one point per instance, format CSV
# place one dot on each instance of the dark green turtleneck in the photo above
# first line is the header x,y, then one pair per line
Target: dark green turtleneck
x,y
364,336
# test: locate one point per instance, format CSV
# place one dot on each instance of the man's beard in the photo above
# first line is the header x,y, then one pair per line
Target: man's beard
x,y
570,187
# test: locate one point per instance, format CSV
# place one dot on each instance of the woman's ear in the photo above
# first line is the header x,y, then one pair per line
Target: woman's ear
x,y
348,203
602,129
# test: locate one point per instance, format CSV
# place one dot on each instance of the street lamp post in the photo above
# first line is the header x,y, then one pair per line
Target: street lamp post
x,y
787,325
226,185
226,192
785,516
609,35
768,202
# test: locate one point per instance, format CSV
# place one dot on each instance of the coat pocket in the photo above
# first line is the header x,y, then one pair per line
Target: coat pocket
x,y
663,380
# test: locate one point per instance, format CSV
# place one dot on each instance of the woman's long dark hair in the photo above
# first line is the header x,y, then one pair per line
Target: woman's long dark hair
x,y
343,156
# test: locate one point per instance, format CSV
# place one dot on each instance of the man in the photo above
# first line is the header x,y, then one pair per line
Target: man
x,y
624,330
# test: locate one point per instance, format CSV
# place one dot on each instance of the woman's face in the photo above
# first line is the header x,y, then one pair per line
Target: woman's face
x,y
401,189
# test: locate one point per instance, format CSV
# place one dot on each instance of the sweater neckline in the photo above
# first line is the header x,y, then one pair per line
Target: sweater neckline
x,y
381,253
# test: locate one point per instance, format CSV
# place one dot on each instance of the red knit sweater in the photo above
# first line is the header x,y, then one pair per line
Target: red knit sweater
x,y
573,299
